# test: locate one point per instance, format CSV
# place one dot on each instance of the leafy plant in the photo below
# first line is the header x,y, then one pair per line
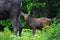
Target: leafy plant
x,y
51,34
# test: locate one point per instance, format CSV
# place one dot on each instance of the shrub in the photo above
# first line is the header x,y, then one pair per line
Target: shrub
x,y
53,33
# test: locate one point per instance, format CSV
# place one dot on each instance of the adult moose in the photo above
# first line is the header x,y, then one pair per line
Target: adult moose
x,y
11,8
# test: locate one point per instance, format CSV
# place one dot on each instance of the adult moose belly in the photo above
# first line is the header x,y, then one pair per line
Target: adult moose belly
x,y
5,7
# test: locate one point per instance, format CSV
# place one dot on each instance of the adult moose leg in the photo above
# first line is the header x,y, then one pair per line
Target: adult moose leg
x,y
19,24
14,25
14,18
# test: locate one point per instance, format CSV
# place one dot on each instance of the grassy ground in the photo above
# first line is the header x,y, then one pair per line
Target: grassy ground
x,y
52,33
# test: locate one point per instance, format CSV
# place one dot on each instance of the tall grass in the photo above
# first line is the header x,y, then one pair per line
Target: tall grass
x,y
52,33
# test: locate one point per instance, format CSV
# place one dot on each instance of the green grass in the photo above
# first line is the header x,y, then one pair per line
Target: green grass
x,y
52,33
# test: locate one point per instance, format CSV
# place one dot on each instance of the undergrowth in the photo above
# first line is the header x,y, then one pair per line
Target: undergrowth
x,y
52,33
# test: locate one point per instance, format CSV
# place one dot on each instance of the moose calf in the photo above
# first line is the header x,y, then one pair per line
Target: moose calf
x,y
35,23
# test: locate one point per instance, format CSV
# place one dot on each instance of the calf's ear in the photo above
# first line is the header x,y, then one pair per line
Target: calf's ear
x,y
22,13
29,13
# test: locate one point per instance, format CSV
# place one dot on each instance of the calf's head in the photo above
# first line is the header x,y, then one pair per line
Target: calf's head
x,y
26,16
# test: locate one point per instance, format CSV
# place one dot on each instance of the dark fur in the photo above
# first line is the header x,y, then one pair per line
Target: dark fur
x,y
11,9
35,23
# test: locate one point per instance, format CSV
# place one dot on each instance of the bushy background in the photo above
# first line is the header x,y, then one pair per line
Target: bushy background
x,y
51,34
52,31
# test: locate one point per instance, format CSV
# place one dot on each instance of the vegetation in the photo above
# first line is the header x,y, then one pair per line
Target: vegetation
x,y
38,8
51,34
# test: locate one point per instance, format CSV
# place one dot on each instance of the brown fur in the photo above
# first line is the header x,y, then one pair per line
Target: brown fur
x,y
35,23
